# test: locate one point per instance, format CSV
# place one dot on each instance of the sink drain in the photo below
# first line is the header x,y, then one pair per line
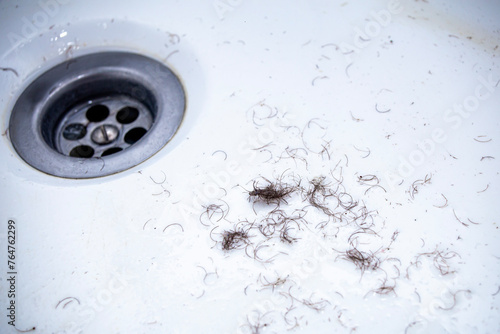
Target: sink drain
x,y
97,115
102,127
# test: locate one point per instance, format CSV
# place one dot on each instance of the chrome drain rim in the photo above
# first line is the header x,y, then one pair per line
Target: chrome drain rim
x,y
97,115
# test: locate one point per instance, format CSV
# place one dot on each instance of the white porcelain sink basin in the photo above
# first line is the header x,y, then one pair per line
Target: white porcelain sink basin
x,y
336,171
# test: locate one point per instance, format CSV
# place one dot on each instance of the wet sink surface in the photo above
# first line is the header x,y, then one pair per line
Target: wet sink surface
x,y
336,171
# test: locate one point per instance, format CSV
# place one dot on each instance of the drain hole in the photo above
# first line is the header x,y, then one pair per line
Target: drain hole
x,y
134,135
75,131
127,115
110,151
94,106
97,113
82,151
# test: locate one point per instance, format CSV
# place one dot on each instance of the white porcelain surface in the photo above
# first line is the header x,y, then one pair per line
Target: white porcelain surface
x,y
129,252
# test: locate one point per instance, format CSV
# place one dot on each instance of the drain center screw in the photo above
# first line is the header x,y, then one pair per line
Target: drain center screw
x,y
104,134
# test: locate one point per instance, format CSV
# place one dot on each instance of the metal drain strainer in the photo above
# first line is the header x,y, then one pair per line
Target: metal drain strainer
x,y
97,115
102,127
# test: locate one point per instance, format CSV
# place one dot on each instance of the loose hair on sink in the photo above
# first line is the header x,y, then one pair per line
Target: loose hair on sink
x,y
273,193
236,238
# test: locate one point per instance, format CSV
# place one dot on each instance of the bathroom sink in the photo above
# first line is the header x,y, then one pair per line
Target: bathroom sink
x,y
335,170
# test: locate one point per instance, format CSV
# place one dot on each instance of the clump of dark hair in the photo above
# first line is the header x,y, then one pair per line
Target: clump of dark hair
x,y
236,238
362,260
272,193
319,189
